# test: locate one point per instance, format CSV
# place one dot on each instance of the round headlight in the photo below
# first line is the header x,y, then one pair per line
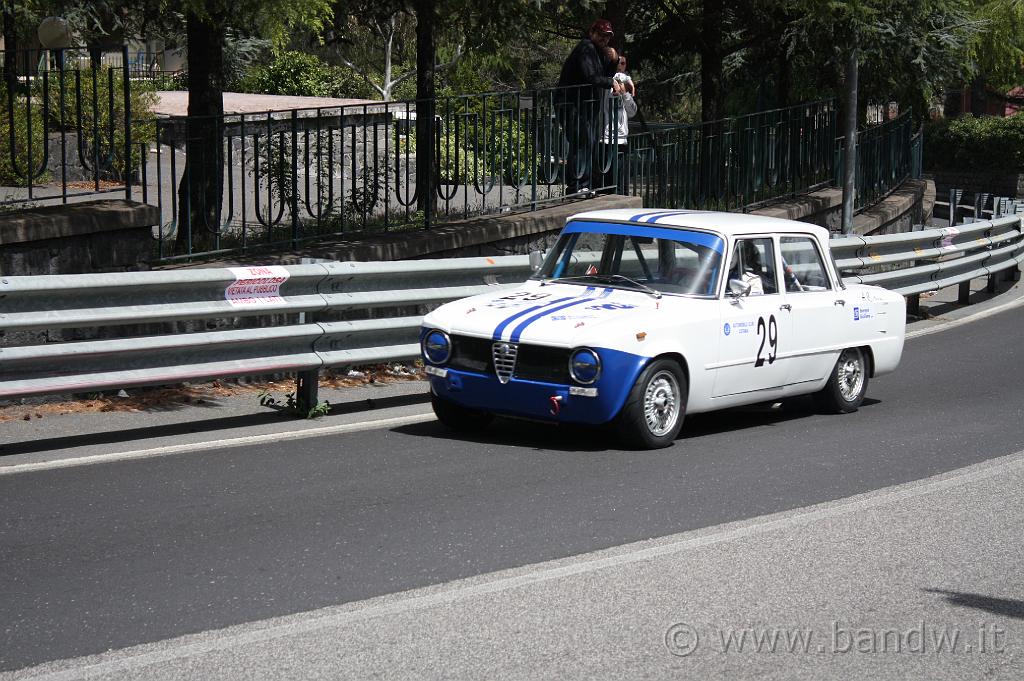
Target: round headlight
x,y
584,366
437,347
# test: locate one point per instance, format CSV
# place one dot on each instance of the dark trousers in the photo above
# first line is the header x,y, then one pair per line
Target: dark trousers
x,y
615,179
577,123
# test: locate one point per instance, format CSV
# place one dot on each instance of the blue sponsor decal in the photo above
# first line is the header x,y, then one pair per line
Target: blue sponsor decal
x,y
739,327
856,314
611,306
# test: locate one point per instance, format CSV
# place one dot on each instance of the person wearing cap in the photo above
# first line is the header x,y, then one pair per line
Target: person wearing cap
x,y
591,63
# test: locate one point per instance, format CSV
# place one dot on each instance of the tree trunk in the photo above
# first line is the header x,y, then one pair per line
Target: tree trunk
x,y
850,135
425,124
10,48
711,70
201,188
783,84
617,14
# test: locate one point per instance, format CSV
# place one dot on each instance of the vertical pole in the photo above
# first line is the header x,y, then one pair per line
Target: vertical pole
x,y
293,205
127,124
307,383
426,126
850,134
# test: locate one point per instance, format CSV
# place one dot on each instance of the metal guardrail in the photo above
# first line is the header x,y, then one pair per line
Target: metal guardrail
x,y
301,301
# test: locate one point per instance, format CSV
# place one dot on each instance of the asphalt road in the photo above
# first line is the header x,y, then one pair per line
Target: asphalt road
x,y
107,556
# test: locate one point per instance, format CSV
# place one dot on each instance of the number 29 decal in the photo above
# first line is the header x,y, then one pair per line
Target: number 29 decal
x,y
767,332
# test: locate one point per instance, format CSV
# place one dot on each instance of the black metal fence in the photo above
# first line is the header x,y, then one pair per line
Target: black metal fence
x,y
733,163
66,126
77,125
887,154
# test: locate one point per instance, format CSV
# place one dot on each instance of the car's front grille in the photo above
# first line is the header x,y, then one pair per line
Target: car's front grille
x,y
529,362
543,363
504,359
471,354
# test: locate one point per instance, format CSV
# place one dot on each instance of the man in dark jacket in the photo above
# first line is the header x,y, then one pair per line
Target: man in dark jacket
x,y
586,76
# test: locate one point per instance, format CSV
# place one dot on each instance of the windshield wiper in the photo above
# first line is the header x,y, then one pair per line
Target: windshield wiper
x,y
610,279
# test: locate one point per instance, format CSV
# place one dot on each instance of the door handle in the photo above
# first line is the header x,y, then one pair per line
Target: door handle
x,y
785,306
840,302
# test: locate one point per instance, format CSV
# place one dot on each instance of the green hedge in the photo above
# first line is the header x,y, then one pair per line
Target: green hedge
x,y
297,74
15,163
988,143
107,89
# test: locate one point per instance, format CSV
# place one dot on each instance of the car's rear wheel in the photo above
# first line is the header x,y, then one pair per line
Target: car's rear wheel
x,y
655,408
458,417
848,383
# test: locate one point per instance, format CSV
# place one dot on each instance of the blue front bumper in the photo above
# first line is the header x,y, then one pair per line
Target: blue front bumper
x,y
532,399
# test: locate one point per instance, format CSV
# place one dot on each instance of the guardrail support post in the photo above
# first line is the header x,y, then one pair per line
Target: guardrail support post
x,y
914,304
964,293
307,384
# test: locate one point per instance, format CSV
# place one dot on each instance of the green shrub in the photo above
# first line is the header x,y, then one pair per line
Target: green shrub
x,y
294,74
458,163
298,74
15,162
988,143
106,86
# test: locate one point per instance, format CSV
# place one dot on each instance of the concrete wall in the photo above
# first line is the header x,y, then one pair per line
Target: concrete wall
x,y
94,236
116,235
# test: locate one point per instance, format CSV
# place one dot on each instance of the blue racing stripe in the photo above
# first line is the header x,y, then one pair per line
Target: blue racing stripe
x,y
500,329
518,331
712,241
639,216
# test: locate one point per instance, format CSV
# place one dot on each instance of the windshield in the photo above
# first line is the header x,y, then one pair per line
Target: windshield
x,y
666,260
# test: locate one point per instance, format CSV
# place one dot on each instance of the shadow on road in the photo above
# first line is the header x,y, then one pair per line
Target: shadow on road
x,y
240,422
567,437
1006,607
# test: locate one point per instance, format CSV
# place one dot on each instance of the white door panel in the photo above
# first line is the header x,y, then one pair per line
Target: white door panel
x,y
820,329
755,331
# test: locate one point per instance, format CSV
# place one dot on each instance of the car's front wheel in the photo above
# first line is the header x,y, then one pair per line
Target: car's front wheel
x,y
458,417
654,410
848,383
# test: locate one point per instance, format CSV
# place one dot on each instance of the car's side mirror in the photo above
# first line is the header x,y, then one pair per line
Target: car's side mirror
x,y
536,260
739,288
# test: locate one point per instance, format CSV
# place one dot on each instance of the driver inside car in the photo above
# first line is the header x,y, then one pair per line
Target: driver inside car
x,y
746,267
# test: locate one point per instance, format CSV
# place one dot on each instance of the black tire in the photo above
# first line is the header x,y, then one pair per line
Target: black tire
x,y
643,423
848,383
458,417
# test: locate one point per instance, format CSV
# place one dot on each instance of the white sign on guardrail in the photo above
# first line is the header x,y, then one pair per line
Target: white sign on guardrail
x,y
256,286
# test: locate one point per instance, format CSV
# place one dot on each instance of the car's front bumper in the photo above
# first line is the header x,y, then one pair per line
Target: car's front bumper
x,y
544,401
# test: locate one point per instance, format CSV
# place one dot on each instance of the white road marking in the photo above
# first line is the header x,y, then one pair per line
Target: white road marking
x,y
216,444
131,660
967,320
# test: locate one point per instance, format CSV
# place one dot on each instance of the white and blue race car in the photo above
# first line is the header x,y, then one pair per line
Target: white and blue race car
x,y
636,318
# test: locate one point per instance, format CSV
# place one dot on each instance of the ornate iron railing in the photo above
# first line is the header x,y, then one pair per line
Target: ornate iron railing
x,y
65,126
281,178
885,158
